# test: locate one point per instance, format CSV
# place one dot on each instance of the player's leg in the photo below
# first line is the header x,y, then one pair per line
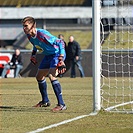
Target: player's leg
x,y
40,77
56,86
58,91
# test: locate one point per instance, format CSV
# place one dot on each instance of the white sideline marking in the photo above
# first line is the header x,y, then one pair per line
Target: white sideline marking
x,y
61,123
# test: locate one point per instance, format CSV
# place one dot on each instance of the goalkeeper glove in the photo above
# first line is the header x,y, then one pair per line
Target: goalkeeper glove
x,y
33,60
61,65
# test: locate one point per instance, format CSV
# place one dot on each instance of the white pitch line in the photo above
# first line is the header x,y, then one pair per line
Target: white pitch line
x,y
61,123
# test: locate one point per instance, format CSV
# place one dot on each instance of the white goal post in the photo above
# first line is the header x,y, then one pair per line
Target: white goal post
x,y
96,54
112,55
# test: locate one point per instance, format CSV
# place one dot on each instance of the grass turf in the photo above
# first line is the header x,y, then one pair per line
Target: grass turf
x,y
18,116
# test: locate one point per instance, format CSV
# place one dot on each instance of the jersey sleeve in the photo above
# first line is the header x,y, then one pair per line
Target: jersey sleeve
x,y
34,49
61,47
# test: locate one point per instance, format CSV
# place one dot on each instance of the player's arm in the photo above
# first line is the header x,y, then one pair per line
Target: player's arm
x,y
33,56
62,48
61,65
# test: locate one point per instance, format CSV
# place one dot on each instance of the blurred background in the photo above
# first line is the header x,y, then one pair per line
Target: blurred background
x,y
59,17
62,16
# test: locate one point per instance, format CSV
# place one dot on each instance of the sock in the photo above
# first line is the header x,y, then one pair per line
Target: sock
x,y
57,90
43,90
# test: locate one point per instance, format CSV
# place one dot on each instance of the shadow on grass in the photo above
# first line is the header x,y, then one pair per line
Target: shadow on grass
x,y
24,109
34,109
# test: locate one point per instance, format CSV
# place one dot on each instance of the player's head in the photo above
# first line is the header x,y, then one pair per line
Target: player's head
x,y
71,38
29,25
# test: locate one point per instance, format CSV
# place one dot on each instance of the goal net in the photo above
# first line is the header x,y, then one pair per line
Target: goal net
x,y
116,39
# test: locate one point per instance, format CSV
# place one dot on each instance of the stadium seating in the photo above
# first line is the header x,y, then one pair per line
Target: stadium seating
x,y
22,3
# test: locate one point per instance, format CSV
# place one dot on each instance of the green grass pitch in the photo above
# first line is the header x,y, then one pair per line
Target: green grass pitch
x,y
18,116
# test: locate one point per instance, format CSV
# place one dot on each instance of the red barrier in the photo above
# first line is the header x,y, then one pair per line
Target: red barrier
x,y
4,59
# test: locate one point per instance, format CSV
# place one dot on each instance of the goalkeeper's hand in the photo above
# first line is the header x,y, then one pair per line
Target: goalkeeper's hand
x,y
33,60
61,67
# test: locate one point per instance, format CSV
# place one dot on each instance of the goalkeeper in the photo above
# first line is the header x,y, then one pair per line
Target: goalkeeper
x,y
52,64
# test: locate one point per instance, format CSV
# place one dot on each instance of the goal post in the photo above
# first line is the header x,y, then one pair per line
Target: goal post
x,y
96,54
112,55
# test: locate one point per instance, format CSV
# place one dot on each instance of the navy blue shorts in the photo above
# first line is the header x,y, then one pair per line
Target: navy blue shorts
x,y
49,61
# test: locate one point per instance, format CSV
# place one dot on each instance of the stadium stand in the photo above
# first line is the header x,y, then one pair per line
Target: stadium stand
x,y
13,36
23,3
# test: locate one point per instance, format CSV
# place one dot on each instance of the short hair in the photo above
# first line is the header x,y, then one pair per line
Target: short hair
x,y
61,35
30,19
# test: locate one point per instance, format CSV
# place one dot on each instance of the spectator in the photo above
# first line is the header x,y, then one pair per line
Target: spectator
x,y
15,63
74,57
